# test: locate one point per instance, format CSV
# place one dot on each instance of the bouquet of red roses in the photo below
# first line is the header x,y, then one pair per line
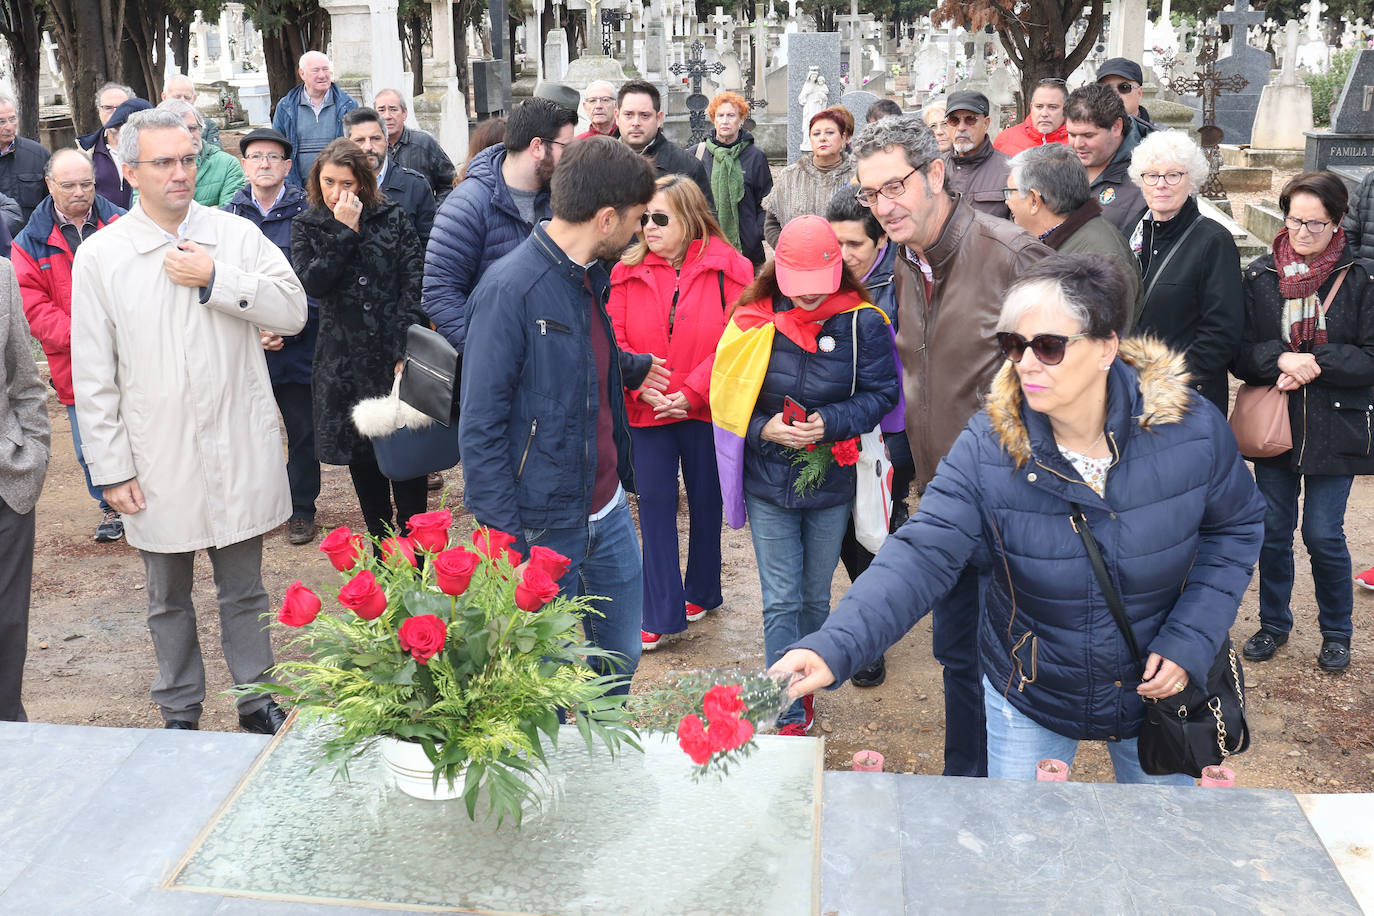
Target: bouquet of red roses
x,y
716,713
815,460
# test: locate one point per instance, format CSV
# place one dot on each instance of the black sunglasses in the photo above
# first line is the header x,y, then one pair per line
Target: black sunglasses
x,y
660,219
1125,87
1048,348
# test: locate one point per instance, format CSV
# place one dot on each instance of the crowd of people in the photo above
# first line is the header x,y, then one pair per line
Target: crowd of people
x,y
1034,323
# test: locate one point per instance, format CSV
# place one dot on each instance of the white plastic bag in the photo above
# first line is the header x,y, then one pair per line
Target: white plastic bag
x,y
873,491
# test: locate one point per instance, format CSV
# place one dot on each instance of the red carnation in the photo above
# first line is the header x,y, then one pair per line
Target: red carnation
x,y
396,550
422,637
453,570
722,703
344,548
551,561
691,735
429,530
299,606
535,589
363,596
728,734
846,452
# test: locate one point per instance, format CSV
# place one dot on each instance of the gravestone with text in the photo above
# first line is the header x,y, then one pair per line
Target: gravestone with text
x,y
1349,144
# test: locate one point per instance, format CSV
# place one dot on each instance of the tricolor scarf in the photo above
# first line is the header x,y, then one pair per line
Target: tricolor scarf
x,y
1299,281
737,377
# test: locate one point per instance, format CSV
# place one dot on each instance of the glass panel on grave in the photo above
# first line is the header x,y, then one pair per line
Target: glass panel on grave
x,y
629,835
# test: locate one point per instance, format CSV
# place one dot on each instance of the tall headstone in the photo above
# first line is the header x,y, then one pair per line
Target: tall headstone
x,y
442,109
1236,110
1285,105
1127,38
1348,147
804,51
366,46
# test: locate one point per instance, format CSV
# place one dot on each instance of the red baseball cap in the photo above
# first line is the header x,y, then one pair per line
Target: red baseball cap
x,y
808,258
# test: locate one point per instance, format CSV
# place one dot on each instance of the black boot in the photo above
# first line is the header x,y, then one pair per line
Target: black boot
x,y
870,675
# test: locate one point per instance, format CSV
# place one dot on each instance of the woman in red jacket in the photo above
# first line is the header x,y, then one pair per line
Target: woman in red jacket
x,y
669,295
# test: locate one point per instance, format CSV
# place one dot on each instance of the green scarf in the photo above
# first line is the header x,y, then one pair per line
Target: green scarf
x,y
727,185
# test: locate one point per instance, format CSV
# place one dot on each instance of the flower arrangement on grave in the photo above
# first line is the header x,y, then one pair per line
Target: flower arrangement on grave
x,y
815,460
469,657
715,714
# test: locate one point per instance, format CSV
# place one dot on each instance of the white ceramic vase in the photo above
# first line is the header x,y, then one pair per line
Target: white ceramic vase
x,y
411,771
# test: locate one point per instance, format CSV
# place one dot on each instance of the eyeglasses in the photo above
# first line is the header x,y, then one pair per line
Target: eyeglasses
x,y
891,190
269,158
600,99
70,186
1170,178
167,163
554,142
1123,87
1048,348
966,120
106,109
660,219
1007,192
1313,226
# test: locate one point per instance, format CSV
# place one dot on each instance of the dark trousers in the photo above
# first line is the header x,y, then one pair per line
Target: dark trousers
x,y
658,451
302,467
16,579
955,644
375,492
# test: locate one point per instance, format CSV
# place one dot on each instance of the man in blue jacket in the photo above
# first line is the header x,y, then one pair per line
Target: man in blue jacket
x,y
543,432
406,186
494,209
271,204
310,116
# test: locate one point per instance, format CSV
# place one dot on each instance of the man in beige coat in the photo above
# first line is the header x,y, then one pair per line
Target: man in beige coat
x,y
176,411
23,464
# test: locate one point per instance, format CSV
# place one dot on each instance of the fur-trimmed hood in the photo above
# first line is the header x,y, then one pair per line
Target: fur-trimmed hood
x,y
1162,395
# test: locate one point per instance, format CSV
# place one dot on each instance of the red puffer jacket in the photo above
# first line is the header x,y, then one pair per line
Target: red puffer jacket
x,y
43,263
641,304
1024,135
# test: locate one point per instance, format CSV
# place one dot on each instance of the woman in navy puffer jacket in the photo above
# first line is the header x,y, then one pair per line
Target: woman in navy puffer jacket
x,y
1075,417
831,354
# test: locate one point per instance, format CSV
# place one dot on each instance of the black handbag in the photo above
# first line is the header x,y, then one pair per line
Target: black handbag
x,y
429,374
1195,728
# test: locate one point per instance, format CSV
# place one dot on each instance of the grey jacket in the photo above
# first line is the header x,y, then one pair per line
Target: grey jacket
x,y
24,429
418,150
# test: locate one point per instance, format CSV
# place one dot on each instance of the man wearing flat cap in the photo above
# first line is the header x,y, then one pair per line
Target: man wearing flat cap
x,y
1126,77
976,170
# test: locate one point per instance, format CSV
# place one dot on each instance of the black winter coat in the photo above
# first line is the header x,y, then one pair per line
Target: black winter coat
x,y
821,382
1197,306
368,286
411,190
1359,221
1330,416
758,184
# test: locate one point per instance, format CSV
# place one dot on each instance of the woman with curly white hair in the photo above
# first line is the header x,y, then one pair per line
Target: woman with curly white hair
x,y
1193,301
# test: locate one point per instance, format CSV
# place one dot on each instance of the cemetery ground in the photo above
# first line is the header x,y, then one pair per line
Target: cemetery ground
x,y
90,660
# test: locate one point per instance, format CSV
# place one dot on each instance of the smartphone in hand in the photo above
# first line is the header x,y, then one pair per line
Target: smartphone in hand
x,y
792,412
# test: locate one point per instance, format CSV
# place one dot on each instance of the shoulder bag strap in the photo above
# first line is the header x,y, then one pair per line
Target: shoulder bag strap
x,y
1080,524
1331,294
854,350
1169,257
720,278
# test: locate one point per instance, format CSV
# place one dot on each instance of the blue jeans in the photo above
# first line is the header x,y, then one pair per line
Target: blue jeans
x,y
605,563
1016,744
1323,531
797,551
96,495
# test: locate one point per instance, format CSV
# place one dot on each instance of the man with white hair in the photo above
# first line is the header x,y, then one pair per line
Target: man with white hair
x,y
176,411
310,116
599,106
180,86
412,148
21,163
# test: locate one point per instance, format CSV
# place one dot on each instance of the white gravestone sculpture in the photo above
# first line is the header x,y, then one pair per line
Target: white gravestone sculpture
x,y
813,98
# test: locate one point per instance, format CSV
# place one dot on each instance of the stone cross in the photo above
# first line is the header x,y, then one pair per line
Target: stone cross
x,y
696,68
610,21
1240,19
1207,84
725,29
1289,74
1314,10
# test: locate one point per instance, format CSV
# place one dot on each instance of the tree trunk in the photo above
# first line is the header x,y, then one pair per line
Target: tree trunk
x,y
179,36
461,10
142,55
19,28
417,55
87,33
1039,49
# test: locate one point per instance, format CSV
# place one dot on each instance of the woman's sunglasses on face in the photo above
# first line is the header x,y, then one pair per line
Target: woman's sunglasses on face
x,y
1048,348
660,219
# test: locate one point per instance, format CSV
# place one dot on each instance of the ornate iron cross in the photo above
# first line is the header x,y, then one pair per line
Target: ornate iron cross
x,y
1207,84
696,68
610,21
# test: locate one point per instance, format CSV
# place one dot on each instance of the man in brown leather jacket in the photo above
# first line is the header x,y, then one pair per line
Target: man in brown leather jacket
x,y
951,274
976,169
